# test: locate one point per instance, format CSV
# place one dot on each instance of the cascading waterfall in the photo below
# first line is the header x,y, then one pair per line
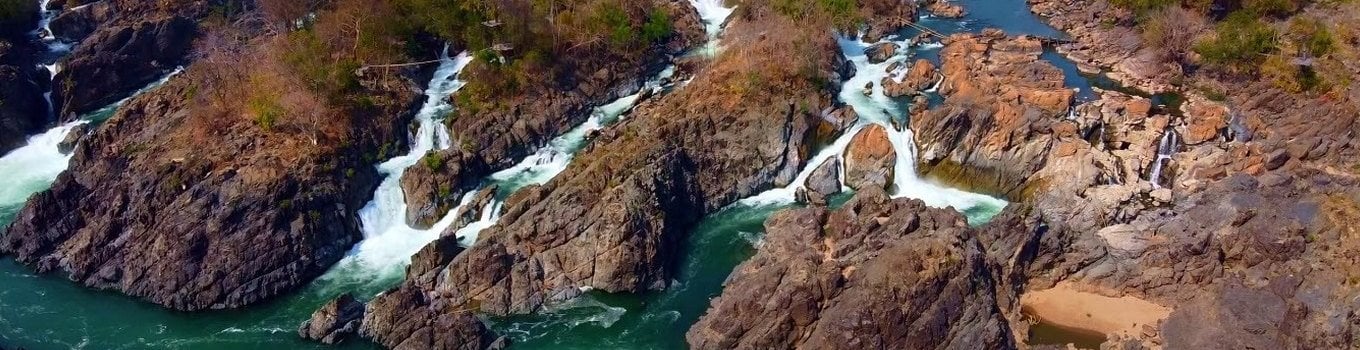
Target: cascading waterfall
x,y
32,167
549,161
875,107
1165,149
388,241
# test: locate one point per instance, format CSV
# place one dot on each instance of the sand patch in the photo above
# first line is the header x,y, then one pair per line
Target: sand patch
x,y
1066,306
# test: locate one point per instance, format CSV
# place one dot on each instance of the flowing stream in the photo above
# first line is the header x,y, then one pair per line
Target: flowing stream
x,y
42,312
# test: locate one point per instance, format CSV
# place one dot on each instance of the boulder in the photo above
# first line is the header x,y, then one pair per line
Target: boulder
x,y
878,53
869,159
826,179
876,274
335,321
1204,120
436,184
945,9
920,77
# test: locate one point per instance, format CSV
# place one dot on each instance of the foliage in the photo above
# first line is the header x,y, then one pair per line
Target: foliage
x,y
1144,6
1310,37
841,13
1240,42
433,161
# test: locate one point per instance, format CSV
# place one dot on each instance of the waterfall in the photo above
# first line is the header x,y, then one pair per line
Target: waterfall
x,y
32,167
875,107
388,240
1165,149
714,15
44,30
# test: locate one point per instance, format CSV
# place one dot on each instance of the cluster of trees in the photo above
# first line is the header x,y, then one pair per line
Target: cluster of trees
x,y
524,45
294,64
1272,38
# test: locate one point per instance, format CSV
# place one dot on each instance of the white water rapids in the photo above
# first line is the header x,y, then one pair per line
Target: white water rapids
x,y
388,240
714,15
875,107
32,167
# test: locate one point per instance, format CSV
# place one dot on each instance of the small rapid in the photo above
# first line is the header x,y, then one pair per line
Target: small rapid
x,y
714,15
874,107
1166,148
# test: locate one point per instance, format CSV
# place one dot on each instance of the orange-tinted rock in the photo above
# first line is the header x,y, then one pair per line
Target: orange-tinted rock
x,y
870,159
1204,120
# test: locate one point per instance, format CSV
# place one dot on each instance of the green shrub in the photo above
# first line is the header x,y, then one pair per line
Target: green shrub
x,y
1240,42
658,26
433,161
266,110
1143,6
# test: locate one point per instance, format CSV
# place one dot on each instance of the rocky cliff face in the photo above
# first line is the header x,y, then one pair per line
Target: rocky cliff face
x,y
613,220
195,214
22,109
877,273
120,46
510,128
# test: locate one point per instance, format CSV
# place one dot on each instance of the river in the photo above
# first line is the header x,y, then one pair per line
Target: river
x,y
41,312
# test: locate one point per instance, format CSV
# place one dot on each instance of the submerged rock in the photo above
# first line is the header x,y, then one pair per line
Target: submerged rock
x,y
870,159
335,321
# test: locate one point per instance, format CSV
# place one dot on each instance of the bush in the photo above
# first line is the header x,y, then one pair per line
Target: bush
x,y
1144,6
1240,42
433,161
658,27
1172,29
1310,37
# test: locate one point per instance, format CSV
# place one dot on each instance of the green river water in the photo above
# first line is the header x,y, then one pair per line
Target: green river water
x,y
42,312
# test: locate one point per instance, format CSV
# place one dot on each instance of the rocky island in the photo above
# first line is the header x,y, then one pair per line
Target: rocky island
x,y
667,174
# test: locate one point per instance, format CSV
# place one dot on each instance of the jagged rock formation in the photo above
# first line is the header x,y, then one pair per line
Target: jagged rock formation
x,y
614,218
335,321
165,206
1243,241
496,136
121,45
877,273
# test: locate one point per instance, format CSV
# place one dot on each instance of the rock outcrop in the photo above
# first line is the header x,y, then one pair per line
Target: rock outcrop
x,y
877,273
115,61
921,76
614,218
870,159
338,319
496,135
166,206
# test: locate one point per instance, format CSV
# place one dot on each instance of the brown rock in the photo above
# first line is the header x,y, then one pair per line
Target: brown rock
x,y
809,285
920,77
878,53
869,159
945,9
335,321
1204,121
